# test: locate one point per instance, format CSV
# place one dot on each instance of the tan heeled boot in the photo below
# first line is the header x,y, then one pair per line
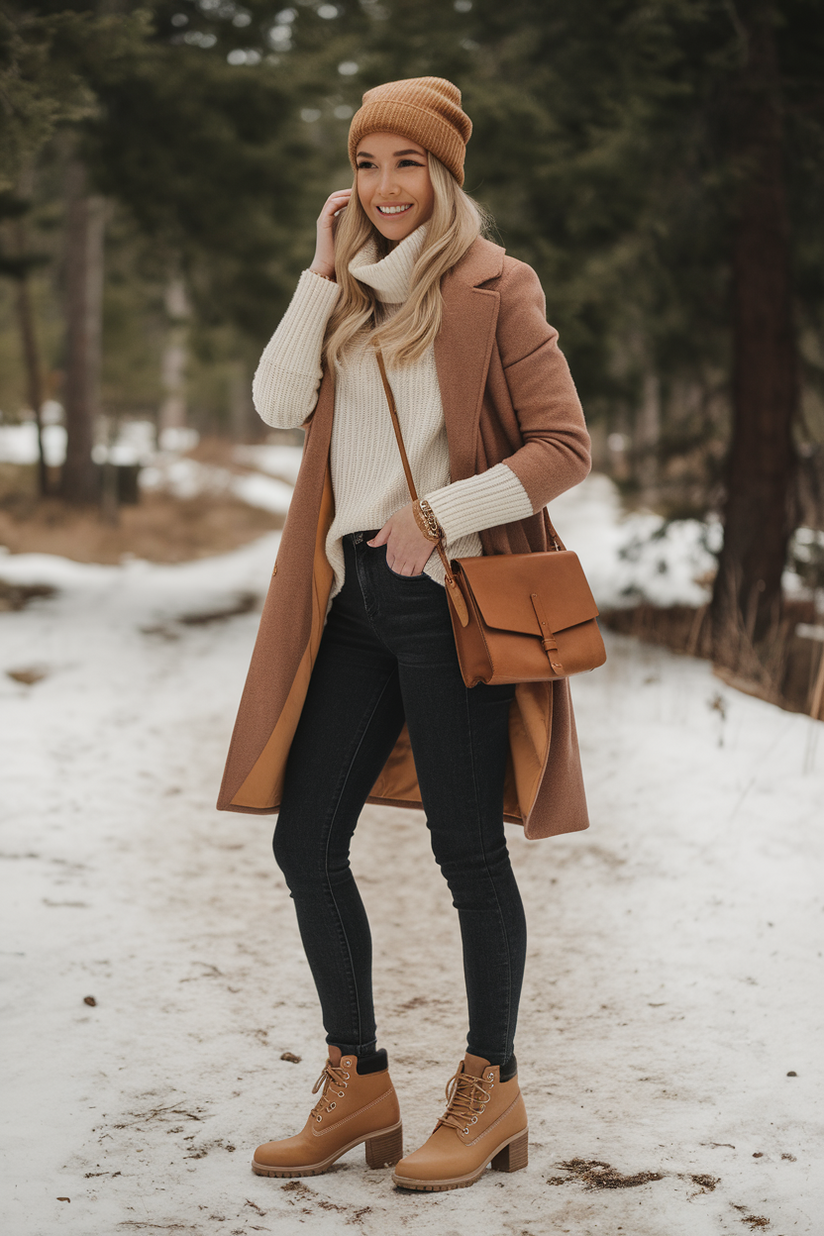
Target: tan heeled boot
x,y
353,1108
485,1122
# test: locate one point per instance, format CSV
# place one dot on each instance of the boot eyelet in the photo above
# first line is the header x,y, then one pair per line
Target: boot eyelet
x,y
474,1120
346,1075
341,1095
331,1107
466,1130
319,1119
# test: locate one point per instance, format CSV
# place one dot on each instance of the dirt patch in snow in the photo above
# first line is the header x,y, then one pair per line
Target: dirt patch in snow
x,y
17,596
706,1183
596,1174
160,528
28,675
244,603
754,1222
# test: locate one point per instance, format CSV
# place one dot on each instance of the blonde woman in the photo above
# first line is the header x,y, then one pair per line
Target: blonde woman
x,y
355,693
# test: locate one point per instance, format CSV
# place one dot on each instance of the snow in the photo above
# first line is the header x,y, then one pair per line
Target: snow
x,y
263,491
638,556
673,980
18,444
187,478
276,458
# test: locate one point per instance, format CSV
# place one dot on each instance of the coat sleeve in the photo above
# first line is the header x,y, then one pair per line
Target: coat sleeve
x,y
555,455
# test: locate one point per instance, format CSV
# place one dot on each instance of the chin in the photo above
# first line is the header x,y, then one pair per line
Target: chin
x,y
396,237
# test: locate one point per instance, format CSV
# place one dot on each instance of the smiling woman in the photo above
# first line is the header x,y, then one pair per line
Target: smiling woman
x,y
394,186
355,692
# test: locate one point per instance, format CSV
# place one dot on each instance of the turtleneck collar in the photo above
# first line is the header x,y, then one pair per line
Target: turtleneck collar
x,y
391,276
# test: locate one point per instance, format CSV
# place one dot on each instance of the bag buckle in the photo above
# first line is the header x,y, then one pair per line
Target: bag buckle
x,y
547,637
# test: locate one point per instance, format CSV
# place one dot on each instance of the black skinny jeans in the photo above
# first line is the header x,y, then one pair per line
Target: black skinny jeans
x,y
387,655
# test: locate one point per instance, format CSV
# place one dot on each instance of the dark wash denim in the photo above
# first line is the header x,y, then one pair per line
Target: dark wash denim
x,y
387,655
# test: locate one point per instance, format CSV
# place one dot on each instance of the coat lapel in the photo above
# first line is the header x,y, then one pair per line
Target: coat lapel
x,y
463,349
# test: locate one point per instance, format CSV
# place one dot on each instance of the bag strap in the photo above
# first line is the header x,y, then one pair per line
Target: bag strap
x,y
393,412
553,540
454,591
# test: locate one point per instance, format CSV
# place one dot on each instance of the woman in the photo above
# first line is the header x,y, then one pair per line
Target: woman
x,y
354,671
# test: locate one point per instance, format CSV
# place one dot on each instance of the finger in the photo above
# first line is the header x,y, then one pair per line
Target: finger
x,y
380,538
335,203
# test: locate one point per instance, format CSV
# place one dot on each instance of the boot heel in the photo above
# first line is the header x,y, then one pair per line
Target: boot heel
x,y
386,1149
514,1156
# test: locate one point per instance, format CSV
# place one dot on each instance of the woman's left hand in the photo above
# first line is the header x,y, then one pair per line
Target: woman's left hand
x,y
407,549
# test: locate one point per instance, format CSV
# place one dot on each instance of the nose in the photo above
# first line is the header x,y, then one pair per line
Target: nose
x,y
387,183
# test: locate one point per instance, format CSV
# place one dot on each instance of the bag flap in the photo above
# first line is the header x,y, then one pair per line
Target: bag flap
x,y
504,595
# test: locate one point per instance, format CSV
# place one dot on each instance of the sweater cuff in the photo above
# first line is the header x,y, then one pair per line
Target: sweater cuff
x,y
484,501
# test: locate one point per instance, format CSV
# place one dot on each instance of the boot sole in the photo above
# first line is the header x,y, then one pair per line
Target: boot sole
x,y
510,1156
383,1149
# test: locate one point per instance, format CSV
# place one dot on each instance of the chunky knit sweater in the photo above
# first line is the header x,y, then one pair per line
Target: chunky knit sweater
x,y
367,474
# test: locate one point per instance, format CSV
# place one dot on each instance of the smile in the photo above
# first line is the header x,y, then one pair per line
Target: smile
x,y
394,210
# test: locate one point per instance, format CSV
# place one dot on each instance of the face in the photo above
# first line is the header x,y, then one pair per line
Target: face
x,y
394,186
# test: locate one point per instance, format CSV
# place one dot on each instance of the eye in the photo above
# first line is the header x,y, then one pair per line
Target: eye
x,y
410,163
364,165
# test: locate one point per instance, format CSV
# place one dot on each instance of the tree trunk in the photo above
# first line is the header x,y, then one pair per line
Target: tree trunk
x,y
84,311
761,467
25,319
241,409
648,437
174,363
31,354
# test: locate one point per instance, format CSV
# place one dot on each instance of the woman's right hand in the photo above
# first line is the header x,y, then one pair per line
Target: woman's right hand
x,y
323,263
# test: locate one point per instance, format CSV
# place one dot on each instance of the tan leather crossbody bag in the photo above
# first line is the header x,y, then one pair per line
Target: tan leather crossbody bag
x,y
516,617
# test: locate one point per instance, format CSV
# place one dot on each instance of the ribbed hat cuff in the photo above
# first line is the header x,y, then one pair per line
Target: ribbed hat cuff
x,y
434,134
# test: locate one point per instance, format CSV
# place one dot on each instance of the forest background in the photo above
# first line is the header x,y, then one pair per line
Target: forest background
x,y
660,164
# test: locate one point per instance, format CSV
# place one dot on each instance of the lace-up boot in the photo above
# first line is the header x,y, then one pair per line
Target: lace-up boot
x,y
353,1107
484,1122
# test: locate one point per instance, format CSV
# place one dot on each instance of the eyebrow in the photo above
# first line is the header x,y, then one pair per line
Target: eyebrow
x,y
364,154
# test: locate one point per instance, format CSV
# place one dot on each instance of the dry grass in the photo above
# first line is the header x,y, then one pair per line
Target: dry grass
x,y
683,628
160,528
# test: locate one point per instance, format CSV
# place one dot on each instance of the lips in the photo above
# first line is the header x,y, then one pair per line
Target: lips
x,y
394,210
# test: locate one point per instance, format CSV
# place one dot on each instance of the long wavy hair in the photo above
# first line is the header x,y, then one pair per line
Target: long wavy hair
x,y
456,222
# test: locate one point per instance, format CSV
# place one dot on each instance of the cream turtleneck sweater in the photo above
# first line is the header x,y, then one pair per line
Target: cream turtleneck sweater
x,y
367,474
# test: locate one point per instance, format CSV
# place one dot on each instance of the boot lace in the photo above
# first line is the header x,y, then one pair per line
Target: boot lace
x,y
466,1100
334,1081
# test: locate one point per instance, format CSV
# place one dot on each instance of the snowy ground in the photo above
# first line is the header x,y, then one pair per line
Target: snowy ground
x,y
671,1020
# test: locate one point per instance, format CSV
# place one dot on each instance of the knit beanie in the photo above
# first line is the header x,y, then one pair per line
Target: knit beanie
x,y
425,109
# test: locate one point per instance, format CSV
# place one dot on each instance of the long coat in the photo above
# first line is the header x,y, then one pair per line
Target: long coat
x,y
507,395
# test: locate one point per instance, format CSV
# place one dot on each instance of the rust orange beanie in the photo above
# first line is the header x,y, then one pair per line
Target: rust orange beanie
x,y
425,109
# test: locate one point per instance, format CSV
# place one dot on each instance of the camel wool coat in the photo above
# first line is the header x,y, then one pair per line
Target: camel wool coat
x,y
507,395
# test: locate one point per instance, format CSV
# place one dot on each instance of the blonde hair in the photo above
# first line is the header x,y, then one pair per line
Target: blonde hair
x,y
456,222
